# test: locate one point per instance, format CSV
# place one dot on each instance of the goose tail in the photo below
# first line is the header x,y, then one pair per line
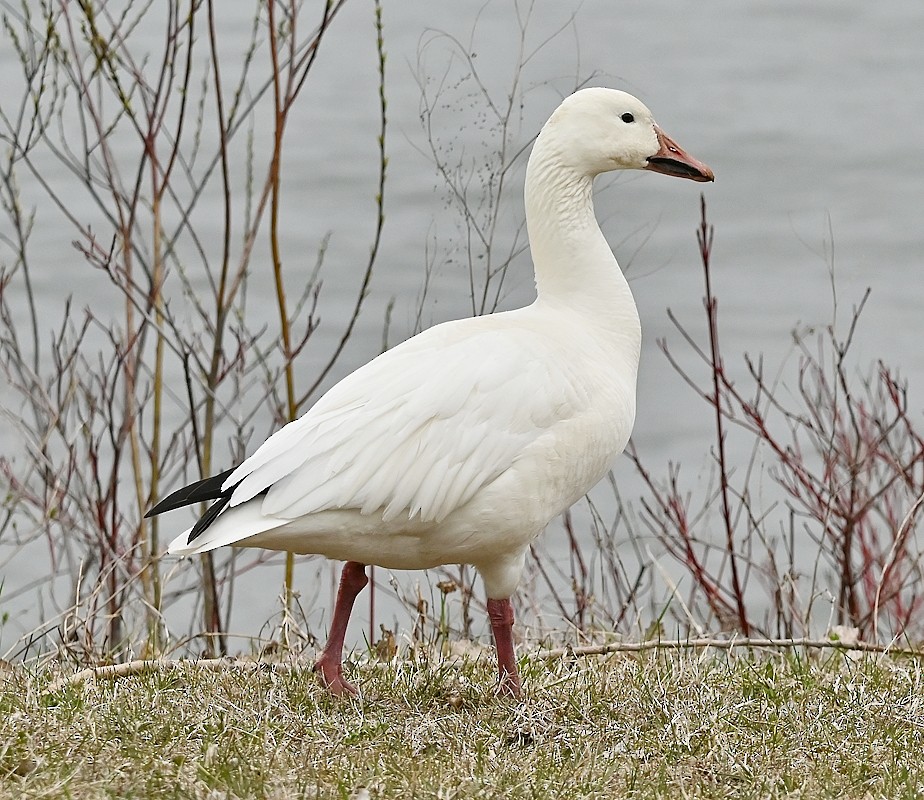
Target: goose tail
x,y
220,524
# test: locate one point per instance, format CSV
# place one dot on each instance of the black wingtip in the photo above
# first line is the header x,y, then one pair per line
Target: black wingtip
x,y
198,492
209,517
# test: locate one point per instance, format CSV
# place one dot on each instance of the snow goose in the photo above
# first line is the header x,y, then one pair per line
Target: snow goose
x,y
462,443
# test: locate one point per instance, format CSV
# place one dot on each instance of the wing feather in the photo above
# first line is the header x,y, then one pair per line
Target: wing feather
x,y
417,431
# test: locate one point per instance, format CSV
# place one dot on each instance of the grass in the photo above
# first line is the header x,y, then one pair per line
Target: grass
x,y
694,724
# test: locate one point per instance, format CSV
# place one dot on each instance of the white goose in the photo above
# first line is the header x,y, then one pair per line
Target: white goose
x,y
462,443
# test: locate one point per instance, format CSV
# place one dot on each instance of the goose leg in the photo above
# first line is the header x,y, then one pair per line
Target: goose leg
x,y
500,612
330,664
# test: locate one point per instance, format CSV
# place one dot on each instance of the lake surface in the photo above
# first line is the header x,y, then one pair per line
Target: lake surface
x,y
812,117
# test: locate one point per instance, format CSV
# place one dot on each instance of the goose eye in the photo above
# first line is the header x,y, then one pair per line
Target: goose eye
x,y
627,117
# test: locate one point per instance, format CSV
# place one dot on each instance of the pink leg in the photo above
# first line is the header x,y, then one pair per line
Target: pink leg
x,y
500,612
330,664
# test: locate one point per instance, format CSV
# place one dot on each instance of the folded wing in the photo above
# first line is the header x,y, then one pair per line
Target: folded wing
x,y
416,432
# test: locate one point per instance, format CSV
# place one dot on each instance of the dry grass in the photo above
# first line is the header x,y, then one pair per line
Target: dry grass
x,y
700,724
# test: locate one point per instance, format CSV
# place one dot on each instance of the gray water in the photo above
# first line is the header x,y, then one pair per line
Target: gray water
x,y
811,115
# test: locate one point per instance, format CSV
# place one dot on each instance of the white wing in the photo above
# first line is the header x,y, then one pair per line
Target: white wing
x,y
417,431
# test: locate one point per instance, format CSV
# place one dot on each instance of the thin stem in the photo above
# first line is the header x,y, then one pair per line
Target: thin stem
x,y
704,237
379,220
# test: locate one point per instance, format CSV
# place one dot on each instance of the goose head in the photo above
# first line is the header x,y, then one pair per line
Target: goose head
x,y
598,130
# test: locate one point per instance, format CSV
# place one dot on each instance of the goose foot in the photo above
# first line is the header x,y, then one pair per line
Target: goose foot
x,y
509,686
500,612
330,664
331,674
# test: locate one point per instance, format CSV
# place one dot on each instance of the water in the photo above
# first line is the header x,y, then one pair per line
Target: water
x,y
810,116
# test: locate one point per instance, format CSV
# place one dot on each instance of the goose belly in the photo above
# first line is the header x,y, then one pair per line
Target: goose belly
x,y
472,534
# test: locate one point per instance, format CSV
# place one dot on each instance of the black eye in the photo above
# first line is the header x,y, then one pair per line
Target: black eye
x,y
627,117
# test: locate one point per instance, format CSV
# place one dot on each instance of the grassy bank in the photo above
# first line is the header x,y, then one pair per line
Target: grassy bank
x,y
695,724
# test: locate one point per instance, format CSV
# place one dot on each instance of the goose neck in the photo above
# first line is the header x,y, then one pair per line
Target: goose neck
x,y
574,265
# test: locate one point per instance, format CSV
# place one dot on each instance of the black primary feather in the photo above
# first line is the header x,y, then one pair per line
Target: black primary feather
x,y
209,516
198,492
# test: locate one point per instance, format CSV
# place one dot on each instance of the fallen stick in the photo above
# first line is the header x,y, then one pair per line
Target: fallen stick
x,y
221,664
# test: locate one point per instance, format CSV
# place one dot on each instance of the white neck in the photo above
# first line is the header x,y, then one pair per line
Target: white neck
x,y
575,268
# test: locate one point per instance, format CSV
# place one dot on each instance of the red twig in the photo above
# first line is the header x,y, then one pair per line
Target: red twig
x,y
704,237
